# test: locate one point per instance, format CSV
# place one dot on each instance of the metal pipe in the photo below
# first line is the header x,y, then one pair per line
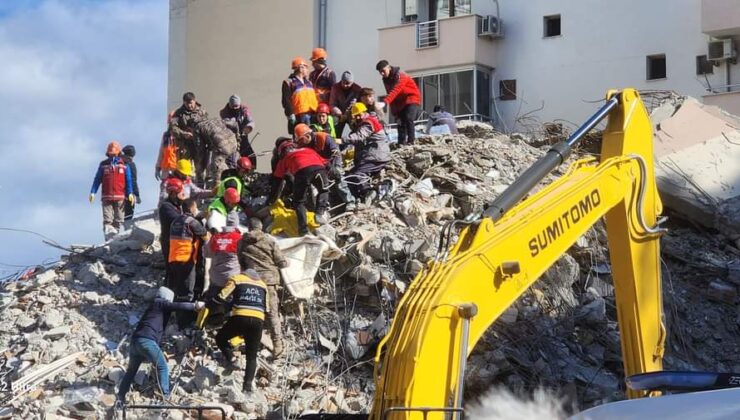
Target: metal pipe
x,y
557,154
466,311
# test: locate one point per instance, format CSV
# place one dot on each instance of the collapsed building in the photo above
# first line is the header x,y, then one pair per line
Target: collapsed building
x,y
66,329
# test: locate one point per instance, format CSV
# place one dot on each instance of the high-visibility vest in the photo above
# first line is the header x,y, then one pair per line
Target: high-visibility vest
x,y
183,243
114,180
320,128
303,98
169,153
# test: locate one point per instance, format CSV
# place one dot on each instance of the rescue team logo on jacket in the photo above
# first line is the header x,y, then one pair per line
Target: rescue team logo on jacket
x,y
225,242
250,295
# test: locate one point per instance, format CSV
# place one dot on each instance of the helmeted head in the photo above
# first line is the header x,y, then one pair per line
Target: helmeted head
x,y
358,110
302,134
184,167
318,54
113,149
174,188
244,165
165,293
322,113
231,197
299,65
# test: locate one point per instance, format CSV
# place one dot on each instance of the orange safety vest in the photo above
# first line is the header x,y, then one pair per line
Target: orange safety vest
x,y
183,243
169,153
303,98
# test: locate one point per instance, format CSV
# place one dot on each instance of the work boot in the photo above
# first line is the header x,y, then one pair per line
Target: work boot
x,y
248,387
351,206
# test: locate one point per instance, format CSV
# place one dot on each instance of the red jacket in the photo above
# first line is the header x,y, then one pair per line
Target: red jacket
x,y
296,160
402,91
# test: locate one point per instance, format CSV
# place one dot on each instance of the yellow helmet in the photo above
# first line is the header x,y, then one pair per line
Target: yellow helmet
x,y
357,109
185,167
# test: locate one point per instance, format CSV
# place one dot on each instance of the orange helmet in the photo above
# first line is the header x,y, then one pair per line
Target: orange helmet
x,y
298,61
323,109
231,196
301,130
114,149
317,54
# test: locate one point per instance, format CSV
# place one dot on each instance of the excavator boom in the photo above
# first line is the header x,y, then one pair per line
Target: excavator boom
x,y
455,299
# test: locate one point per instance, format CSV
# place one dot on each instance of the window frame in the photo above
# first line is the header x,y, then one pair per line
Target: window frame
x,y
649,69
545,25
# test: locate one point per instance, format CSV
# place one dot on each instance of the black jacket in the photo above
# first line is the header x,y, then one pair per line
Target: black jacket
x,y
154,320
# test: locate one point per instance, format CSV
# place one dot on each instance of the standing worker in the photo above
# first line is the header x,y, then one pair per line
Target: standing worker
x,y
146,338
298,95
248,308
322,77
115,177
403,99
237,117
187,235
129,152
260,252
344,94
169,210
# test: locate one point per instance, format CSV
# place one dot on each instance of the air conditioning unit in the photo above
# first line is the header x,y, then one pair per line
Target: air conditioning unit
x,y
720,50
490,26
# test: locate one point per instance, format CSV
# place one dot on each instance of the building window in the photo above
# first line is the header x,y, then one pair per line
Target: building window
x,y
656,67
466,92
456,92
439,9
507,90
483,92
703,66
551,26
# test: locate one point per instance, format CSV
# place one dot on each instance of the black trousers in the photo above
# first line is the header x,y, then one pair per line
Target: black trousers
x,y
182,282
319,178
406,131
249,328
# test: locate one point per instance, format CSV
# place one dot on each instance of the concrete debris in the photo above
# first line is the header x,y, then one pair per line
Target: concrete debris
x,y
339,298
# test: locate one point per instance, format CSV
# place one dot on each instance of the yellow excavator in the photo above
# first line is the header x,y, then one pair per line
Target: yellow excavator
x,y
420,363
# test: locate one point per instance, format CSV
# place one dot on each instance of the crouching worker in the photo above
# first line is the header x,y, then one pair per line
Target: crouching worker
x,y
248,305
372,152
146,338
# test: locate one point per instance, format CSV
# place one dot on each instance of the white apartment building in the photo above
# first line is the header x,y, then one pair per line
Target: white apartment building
x,y
514,62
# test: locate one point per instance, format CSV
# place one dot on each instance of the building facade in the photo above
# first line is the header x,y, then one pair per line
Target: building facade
x,y
512,62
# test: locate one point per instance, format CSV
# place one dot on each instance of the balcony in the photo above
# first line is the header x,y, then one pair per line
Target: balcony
x,y
720,18
728,100
448,42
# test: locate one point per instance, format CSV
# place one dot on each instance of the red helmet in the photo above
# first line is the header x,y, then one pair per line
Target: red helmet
x,y
173,185
231,196
323,109
244,164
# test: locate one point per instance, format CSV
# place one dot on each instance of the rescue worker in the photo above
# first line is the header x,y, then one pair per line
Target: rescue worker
x,y
372,152
327,148
146,338
182,128
184,172
236,177
115,177
298,95
260,252
187,235
222,144
221,249
307,168
403,99
238,119
224,211
322,77
344,94
440,116
275,155
166,158
248,306
324,121
169,210
129,152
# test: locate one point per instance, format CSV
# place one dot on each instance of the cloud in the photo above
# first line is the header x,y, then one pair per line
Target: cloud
x,y
75,74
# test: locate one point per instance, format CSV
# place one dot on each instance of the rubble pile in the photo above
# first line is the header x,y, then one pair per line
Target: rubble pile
x,y
561,335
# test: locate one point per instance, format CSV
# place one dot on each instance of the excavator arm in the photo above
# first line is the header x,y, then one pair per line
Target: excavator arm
x,y
455,299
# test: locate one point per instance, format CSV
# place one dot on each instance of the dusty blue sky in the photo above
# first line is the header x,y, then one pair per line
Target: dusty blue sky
x,y
75,74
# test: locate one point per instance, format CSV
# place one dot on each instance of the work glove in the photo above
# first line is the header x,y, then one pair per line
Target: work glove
x,y
199,305
157,174
291,118
91,198
131,199
138,200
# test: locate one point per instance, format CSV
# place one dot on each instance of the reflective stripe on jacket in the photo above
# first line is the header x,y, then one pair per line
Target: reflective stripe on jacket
x,y
183,241
303,96
250,295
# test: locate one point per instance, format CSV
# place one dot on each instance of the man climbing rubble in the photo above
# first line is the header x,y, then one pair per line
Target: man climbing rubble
x,y
307,168
187,236
326,147
260,252
248,305
238,119
115,177
372,152
182,128
222,144
221,249
146,338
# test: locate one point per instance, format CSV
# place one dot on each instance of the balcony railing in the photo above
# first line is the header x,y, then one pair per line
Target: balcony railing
x,y
427,34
